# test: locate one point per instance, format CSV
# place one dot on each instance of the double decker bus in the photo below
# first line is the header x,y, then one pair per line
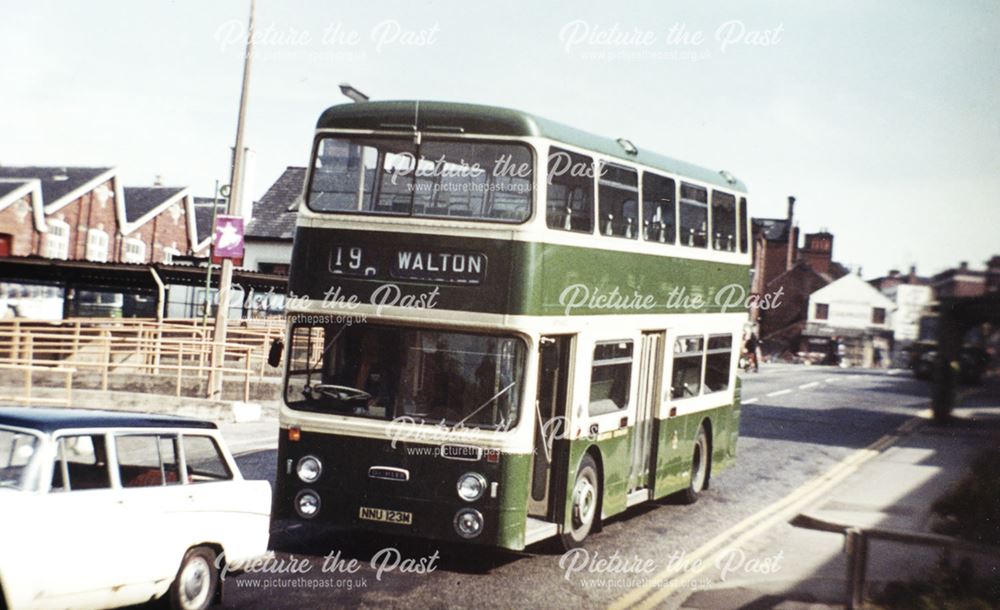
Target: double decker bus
x,y
502,329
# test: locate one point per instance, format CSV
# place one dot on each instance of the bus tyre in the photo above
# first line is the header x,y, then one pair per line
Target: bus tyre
x,y
699,468
585,500
197,578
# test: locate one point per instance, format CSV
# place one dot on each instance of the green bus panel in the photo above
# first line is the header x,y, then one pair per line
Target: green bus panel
x,y
511,277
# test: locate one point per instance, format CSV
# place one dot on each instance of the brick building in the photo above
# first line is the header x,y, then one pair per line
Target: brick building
x,y
84,213
960,281
22,217
83,209
781,266
161,224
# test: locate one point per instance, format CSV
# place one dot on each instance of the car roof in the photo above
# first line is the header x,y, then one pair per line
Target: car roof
x,y
50,420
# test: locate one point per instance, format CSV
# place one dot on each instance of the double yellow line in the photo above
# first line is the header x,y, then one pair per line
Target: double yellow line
x,y
662,585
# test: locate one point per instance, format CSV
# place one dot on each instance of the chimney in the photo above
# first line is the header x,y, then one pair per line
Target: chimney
x,y
793,236
913,273
894,273
963,266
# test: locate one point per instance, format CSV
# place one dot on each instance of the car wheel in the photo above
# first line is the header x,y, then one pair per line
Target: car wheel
x,y
585,503
197,578
699,468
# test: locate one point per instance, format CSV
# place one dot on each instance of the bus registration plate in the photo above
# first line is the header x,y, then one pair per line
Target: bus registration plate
x,y
386,516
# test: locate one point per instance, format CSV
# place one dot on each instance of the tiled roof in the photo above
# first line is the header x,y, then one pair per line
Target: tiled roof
x,y
274,214
140,200
203,215
57,182
8,187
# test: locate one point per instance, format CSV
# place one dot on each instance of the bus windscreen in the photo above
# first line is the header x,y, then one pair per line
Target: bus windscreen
x,y
427,376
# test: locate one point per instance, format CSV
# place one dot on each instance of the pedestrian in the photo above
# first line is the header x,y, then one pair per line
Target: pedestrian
x,y
752,347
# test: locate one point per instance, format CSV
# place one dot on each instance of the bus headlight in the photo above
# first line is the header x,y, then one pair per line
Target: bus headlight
x,y
468,523
471,486
307,504
309,468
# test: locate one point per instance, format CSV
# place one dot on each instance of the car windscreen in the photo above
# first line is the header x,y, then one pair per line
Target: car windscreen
x,y
19,456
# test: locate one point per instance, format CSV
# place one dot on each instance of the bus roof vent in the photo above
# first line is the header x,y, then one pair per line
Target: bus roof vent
x,y
731,179
629,147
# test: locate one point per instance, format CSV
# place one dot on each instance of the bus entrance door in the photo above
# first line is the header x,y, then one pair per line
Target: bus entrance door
x,y
650,371
550,421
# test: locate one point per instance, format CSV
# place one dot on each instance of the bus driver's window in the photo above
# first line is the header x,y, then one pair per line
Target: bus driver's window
x,y
371,376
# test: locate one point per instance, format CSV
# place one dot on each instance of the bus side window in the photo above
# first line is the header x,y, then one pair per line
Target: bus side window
x,y
717,360
688,357
694,216
659,196
570,200
723,221
610,377
618,201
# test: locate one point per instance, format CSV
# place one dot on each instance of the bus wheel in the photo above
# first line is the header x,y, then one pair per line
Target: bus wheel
x,y
586,498
699,468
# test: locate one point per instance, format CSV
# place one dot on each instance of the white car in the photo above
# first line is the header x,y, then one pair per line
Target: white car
x,y
100,509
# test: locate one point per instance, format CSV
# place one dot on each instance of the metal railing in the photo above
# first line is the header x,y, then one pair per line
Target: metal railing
x,y
27,396
856,546
179,349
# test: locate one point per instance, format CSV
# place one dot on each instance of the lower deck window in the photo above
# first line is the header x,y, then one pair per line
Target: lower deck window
x,y
700,366
610,377
688,354
717,360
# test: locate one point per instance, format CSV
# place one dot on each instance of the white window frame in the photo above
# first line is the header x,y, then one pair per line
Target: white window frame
x,y
169,253
57,240
97,246
138,252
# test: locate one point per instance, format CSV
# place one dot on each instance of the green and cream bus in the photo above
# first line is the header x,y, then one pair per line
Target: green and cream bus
x,y
502,329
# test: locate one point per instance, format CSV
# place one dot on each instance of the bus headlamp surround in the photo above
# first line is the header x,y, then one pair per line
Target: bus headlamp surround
x,y
309,468
468,523
307,503
471,486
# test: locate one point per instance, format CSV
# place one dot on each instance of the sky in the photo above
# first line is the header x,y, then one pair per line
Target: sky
x,y
881,118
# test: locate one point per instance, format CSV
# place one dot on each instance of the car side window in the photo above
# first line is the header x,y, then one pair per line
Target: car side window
x,y
204,460
147,460
81,463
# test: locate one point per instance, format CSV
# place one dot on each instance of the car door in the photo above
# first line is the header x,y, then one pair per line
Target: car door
x,y
77,526
154,501
222,506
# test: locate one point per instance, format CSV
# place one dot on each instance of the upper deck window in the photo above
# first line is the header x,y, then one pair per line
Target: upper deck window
x,y
723,222
694,216
618,201
462,180
570,202
659,196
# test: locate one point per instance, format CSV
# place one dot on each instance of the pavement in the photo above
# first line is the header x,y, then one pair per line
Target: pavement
x,y
892,485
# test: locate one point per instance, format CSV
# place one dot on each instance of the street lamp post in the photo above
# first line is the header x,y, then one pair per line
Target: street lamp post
x,y
233,208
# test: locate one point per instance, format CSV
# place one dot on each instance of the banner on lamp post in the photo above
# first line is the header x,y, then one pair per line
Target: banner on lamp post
x,y
227,239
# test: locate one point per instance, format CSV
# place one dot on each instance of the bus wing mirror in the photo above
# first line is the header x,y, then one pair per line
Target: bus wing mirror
x,y
274,354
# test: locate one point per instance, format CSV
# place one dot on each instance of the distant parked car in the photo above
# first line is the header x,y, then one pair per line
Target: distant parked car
x,y
972,363
101,509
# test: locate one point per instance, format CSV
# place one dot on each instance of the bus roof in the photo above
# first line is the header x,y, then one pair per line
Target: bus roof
x,y
449,117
